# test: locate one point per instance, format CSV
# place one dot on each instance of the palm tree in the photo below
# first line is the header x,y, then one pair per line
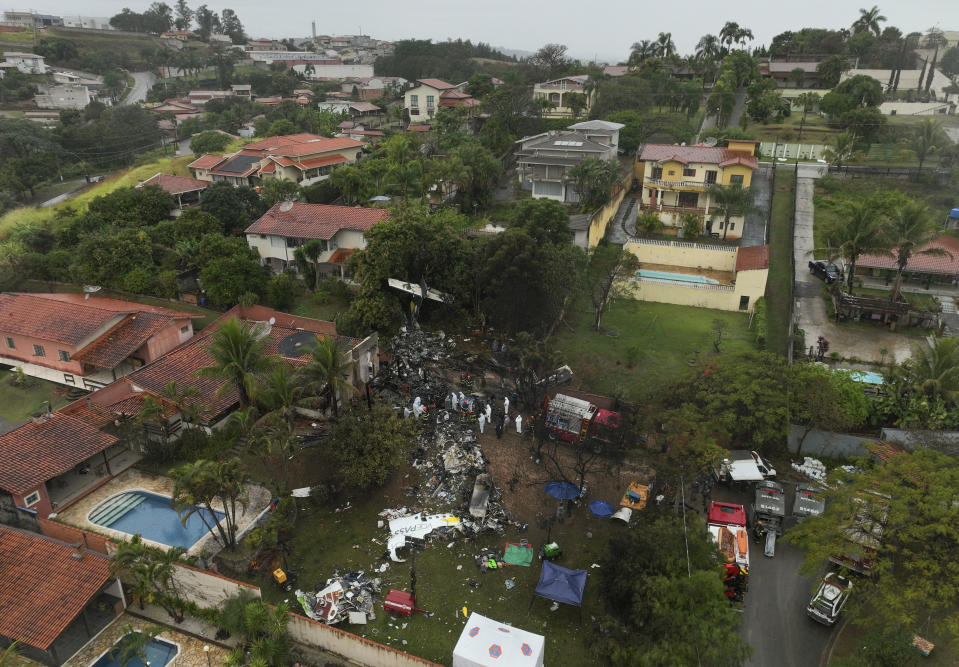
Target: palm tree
x,y
133,645
148,572
807,101
934,370
327,371
744,35
841,148
708,47
197,485
729,33
262,627
857,233
641,51
238,357
10,657
908,232
730,200
926,139
665,46
869,19
279,397
310,252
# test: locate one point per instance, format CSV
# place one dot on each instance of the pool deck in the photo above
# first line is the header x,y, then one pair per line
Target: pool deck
x,y
724,277
134,479
191,649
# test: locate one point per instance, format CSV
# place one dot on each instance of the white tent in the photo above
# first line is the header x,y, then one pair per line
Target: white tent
x,y
485,642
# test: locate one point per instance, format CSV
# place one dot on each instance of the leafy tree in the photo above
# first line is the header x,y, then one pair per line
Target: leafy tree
x,y
631,136
231,26
480,85
841,148
545,220
825,399
368,445
235,207
912,495
933,370
228,278
730,200
807,101
328,371
884,647
238,358
830,70
353,184
664,598
551,59
263,628
148,571
133,645
193,224
281,292
928,137
609,265
950,62
207,22
277,190
197,486
184,16
594,180
908,230
858,233
209,141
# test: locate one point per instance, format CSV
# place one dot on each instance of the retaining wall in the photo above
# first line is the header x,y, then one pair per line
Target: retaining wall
x,y
365,652
683,253
828,444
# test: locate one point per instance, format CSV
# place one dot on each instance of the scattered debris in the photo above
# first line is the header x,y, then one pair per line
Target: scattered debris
x,y
812,468
342,594
416,526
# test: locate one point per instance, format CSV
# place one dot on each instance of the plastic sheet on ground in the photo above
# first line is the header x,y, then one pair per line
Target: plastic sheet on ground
x,y
601,508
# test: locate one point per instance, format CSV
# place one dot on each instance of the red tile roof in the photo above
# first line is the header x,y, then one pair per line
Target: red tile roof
x,y
439,84
364,106
923,263
281,140
207,161
34,316
320,146
322,161
365,133
315,221
175,185
34,453
341,256
116,305
698,153
123,340
44,587
418,128
751,258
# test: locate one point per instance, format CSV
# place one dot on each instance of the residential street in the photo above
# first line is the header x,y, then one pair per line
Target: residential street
x,y
810,308
143,81
754,228
775,622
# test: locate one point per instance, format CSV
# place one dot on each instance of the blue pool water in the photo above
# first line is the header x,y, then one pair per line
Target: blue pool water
x,y
866,377
666,277
158,654
151,516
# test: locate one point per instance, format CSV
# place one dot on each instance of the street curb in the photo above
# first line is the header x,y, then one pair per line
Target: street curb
x,y
832,644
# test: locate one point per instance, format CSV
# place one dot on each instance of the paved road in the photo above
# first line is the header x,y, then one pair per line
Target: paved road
x,y
754,228
143,82
810,307
709,123
775,622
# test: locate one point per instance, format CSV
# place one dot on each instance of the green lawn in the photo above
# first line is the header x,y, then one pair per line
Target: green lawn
x,y
779,285
22,37
815,131
17,404
346,541
664,339
921,301
319,308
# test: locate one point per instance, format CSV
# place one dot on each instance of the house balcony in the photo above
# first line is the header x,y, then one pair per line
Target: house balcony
x,y
677,185
678,210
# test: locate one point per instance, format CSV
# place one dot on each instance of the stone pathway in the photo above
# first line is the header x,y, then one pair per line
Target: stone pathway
x,y
623,224
754,227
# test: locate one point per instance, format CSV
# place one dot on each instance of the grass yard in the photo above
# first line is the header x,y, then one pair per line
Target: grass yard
x,y
920,301
347,541
320,305
18,404
815,131
22,37
662,338
851,637
779,284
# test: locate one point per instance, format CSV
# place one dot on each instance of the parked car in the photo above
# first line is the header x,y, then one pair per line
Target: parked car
x,y
826,271
829,601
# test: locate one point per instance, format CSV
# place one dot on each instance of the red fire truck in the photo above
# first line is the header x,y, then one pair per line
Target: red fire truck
x,y
575,419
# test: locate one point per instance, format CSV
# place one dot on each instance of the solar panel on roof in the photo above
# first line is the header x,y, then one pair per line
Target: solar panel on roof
x,y
239,164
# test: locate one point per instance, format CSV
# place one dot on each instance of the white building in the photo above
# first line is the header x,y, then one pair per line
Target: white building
x,y
88,22
65,96
28,63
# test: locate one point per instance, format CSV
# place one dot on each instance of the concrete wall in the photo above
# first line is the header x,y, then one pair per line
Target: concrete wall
x,y
945,441
600,220
207,589
718,297
826,443
71,535
684,253
358,649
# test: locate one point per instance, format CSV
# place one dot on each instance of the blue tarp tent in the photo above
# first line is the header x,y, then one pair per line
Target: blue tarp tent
x,y
562,490
560,584
601,508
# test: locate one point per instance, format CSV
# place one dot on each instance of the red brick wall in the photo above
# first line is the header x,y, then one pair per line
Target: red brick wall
x,y
69,534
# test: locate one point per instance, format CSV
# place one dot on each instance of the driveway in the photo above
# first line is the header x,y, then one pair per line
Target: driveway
x,y
810,308
143,82
754,227
774,620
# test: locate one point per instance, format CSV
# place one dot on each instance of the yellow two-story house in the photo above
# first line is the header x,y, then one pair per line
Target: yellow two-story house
x,y
677,179
557,93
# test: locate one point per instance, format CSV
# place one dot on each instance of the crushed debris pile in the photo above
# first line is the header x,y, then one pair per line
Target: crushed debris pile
x,y
342,598
812,468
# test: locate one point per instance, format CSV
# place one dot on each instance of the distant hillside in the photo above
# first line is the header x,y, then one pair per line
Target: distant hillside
x,y
98,50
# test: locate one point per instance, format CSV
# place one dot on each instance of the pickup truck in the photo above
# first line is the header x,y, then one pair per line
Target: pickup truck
x,y
743,466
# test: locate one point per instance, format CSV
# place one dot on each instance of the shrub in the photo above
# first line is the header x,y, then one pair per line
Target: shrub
x,y
761,323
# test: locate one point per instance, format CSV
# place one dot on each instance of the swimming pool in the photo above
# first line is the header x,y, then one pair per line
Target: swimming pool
x,y
158,653
866,377
151,515
666,277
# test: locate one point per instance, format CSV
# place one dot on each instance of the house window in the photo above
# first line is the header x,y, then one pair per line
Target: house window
x,y
63,355
32,499
744,303
689,199
414,112
736,179
262,236
689,172
185,328
732,226
10,343
430,101
38,351
672,172
710,176
657,172
414,100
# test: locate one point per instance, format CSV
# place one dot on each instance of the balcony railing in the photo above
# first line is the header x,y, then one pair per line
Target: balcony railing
x,y
674,209
677,184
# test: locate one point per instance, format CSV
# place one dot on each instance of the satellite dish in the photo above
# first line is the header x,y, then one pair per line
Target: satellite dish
x,y
261,330
272,321
711,141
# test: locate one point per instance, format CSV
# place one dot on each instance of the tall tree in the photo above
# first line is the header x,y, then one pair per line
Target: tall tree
x,y
665,46
729,33
184,15
231,26
908,231
869,19
807,101
149,571
642,51
857,233
927,137
207,22
730,200
708,47
551,58
825,399
238,354
933,370
609,265
212,486
328,371
368,445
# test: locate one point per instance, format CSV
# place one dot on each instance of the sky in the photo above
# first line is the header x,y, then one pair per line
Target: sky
x,y
603,31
